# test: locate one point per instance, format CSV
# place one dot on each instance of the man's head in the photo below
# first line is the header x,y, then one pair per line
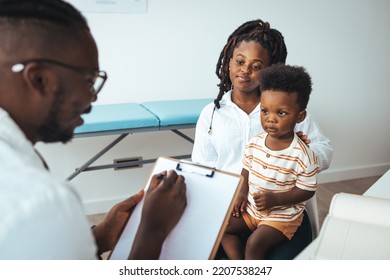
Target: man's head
x,y
49,65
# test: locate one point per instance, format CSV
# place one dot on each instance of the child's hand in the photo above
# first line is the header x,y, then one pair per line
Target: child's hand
x,y
264,200
240,204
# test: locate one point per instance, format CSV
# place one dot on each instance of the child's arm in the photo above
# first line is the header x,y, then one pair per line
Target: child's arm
x,y
242,197
265,199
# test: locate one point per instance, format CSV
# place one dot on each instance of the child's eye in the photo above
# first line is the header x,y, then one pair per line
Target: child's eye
x,y
256,67
264,111
281,113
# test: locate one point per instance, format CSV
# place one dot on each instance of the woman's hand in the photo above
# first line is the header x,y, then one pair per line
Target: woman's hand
x,y
303,137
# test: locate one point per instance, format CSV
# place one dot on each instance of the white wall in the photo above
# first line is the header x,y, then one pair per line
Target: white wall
x,y
170,52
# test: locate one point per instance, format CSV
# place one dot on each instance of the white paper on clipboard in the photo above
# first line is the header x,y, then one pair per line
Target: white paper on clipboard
x,y
210,197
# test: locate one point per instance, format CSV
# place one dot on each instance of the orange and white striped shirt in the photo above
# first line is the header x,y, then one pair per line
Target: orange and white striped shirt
x,y
279,171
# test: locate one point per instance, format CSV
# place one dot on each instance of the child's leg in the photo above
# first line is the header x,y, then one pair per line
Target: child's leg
x,y
231,241
261,240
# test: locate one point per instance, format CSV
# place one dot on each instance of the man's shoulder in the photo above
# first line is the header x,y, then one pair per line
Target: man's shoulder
x,y
27,186
40,209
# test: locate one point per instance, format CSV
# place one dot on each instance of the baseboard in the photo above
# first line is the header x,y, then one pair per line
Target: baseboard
x,y
335,175
331,175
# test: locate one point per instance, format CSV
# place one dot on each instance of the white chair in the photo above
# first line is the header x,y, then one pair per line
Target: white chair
x,y
312,211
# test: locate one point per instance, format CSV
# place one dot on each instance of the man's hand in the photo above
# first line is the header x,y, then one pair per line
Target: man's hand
x,y
108,231
163,207
165,202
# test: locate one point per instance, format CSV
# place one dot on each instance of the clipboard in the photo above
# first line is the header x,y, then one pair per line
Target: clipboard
x,y
210,200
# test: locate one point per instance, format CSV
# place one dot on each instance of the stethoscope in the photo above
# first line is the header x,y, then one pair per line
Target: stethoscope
x,y
211,122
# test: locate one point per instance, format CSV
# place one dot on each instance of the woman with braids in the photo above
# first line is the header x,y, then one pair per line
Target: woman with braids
x,y
226,125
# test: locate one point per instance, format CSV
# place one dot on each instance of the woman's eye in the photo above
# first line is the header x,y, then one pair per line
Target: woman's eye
x,y
256,67
239,62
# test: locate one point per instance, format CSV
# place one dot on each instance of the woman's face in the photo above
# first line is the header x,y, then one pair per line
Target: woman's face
x,y
249,58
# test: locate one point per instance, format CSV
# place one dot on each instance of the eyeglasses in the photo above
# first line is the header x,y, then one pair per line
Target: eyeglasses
x,y
99,77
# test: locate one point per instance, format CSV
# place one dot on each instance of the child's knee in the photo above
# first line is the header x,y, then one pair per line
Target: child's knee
x,y
254,249
235,226
255,241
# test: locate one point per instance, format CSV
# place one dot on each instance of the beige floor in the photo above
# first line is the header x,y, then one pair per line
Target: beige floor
x,y
326,191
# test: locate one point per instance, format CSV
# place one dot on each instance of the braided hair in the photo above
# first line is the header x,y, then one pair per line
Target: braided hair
x,y
56,12
256,30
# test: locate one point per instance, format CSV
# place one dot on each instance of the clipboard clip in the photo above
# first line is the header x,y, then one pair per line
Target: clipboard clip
x,y
190,167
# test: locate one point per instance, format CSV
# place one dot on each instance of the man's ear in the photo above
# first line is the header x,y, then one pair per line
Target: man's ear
x,y
39,78
301,116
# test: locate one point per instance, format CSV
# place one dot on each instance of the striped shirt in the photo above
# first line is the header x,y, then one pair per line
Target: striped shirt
x,y
279,171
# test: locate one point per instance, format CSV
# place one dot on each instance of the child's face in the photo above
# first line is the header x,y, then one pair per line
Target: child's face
x,y
245,66
279,113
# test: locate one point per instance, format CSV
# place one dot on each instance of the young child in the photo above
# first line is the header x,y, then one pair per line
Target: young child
x,y
279,169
